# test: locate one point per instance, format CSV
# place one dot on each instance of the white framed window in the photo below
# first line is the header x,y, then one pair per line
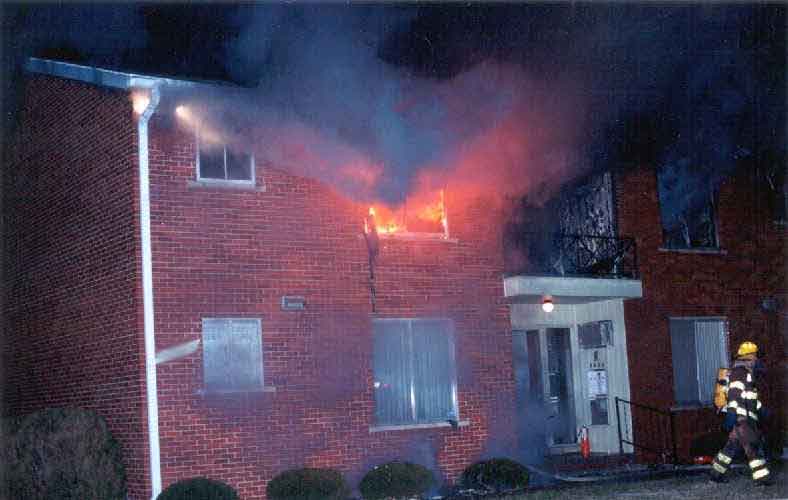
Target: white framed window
x,y
232,354
219,162
415,376
700,348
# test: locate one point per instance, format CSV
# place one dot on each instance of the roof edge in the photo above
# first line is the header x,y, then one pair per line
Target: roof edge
x,y
99,76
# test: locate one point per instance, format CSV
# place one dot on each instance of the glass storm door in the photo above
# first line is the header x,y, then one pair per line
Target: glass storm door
x,y
558,387
545,383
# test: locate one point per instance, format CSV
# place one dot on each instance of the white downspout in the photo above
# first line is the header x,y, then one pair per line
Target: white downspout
x,y
147,296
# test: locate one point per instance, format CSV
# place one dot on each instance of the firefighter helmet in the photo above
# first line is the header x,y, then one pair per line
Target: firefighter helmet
x,y
747,348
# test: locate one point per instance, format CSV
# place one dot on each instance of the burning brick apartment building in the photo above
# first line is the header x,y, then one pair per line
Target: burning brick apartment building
x,y
233,320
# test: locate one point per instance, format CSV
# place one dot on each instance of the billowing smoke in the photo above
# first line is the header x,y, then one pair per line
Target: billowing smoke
x,y
532,104
327,106
384,101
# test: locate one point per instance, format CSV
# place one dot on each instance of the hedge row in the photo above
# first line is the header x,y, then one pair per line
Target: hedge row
x,y
68,453
393,480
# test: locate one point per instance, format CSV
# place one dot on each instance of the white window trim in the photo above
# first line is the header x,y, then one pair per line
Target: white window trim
x,y
454,391
261,387
225,181
409,427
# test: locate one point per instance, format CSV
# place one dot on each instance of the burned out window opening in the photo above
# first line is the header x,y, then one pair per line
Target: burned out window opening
x,y
688,208
573,234
415,379
413,219
232,355
773,175
220,162
699,348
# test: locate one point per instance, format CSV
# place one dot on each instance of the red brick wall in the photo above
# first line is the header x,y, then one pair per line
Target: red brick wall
x,y
72,327
222,252
730,284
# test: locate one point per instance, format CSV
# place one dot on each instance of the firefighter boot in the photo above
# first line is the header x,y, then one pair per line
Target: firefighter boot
x,y
719,467
760,472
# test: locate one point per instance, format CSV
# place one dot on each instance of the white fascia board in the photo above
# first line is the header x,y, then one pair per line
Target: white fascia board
x,y
100,76
518,286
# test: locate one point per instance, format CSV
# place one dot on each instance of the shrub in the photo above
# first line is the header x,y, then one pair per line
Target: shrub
x,y
397,480
308,484
198,488
497,475
63,453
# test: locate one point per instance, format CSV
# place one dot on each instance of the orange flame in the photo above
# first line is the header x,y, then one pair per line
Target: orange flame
x,y
388,220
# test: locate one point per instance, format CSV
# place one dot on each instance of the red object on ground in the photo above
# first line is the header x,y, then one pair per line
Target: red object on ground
x,y
703,460
585,444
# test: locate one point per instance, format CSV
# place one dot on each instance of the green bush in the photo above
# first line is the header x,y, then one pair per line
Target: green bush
x,y
198,488
308,484
396,480
497,475
62,453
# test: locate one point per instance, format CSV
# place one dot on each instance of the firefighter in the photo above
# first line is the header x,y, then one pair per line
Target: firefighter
x,y
741,419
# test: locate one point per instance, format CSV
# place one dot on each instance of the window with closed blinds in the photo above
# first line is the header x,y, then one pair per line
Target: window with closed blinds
x,y
699,349
232,355
414,367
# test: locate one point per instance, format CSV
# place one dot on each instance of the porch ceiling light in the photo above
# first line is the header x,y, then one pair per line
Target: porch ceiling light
x,y
547,305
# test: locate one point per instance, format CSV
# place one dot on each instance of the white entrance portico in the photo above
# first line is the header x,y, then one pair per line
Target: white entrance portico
x,y
571,363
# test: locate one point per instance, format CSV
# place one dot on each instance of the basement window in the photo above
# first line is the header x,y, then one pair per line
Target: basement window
x,y
415,379
699,348
219,162
232,355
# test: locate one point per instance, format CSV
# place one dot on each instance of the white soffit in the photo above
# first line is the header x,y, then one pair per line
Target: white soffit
x,y
531,289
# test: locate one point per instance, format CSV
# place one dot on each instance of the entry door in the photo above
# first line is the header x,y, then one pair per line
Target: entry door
x,y
549,381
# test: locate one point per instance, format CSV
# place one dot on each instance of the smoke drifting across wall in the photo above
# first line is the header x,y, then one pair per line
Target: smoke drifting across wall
x,y
536,96
382,99
327,106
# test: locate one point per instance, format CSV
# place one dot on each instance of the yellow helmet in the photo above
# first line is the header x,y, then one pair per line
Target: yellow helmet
x,y
747,348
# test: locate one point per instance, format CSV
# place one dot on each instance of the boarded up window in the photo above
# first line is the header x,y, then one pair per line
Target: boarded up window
x,y
699,349
232,355
415,379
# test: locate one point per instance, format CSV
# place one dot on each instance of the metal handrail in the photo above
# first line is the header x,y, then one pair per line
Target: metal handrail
x,y
562,254
672,452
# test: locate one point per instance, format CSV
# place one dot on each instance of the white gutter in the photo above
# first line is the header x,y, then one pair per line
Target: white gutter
x,y
147,296
129,81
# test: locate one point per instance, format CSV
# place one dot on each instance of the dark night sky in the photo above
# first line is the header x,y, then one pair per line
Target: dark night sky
x,y
592,84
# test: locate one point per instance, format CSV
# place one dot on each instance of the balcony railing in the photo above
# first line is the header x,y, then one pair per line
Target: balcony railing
x,y
574,255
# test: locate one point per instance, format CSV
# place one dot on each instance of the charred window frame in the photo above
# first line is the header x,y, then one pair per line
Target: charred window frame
x,y
699,348
415,379
688,209
232,355
218,162
773,174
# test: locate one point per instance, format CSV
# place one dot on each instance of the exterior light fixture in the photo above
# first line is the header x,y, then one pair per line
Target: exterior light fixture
x,y
139,102
547,305
183,112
